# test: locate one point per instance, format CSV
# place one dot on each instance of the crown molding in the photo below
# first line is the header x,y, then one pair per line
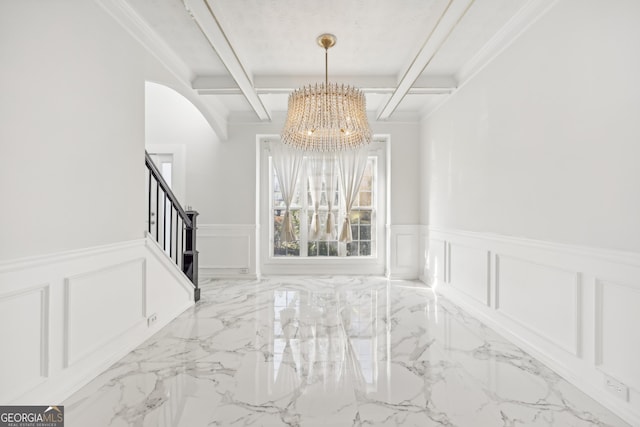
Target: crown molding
x,y
140,30
129,19
509,33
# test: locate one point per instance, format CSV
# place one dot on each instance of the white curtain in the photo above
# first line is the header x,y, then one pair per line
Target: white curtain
x,y
287,163
314,172
351,164
330,185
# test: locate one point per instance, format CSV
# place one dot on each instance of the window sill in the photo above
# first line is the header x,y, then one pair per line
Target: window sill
x,y
322,260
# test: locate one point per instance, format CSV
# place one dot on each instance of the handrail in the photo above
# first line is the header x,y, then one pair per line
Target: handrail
x,y
165,187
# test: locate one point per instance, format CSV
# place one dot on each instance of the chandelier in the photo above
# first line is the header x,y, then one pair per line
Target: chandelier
x,y
326,116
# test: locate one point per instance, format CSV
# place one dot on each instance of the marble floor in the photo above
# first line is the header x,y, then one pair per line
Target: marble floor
x,y
342,351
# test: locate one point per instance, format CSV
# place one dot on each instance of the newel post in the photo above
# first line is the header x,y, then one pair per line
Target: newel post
x,y
190,257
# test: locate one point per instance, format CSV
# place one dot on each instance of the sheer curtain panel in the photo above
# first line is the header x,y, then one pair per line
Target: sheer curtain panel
x,y
351,164
287,164
330,184
315,175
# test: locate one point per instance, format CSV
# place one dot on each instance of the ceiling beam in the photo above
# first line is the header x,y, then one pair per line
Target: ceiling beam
x,y
222,85
210,27
453,13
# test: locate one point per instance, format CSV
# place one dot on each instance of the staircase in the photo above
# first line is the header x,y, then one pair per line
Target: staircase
x,y
172,227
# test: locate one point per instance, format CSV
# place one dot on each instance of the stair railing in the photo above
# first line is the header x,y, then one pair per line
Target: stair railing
x,y
170,225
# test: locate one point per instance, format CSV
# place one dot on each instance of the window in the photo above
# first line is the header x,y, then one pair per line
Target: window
x,y
363,218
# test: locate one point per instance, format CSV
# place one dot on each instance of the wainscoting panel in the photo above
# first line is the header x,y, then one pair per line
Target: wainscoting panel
x,y
436,267
226,250
405,245
94,297
541,298
24,335
469,273
576,309
617,323
66,317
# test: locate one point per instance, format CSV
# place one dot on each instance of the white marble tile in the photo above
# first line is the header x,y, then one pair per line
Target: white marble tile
x,y
343,351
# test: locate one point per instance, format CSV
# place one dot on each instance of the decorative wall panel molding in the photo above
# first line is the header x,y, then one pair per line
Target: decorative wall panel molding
x,y
405,256
543,299
73,314
92,297
617,341
25,344
227,250
574,308
468,271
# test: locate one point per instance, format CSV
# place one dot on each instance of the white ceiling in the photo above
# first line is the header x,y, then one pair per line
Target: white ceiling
x,y
245,56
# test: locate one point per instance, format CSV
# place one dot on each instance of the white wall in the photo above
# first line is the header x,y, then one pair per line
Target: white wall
x,y
173,123
405,143
221,181
543,143
71,129
78,280
531,195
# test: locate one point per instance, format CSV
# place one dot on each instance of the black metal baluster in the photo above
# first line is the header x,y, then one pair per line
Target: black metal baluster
x,y
149,197
176,238
170,230
157,211
164,223
182,229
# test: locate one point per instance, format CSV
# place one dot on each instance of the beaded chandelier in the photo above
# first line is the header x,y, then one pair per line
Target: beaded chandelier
x,y
326,116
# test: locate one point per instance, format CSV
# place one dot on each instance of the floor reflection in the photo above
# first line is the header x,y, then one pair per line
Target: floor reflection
x,y
324,337
338,351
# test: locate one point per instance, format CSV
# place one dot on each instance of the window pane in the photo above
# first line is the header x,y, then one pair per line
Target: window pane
x,y
352,249
281,248
302,211
312,248
365,232
323,249
365,248
365,199
333,248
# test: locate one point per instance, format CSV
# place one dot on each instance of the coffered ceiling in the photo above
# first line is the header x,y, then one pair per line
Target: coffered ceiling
x,y
243,57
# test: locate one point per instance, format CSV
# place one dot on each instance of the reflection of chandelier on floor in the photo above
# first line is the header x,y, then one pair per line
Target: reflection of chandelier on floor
x,y
326,116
